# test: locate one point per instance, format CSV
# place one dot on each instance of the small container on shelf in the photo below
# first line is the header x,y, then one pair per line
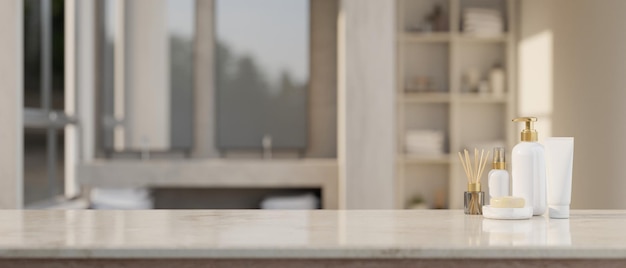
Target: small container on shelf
x,y
420,83
417,202
435,21
471,80
497,79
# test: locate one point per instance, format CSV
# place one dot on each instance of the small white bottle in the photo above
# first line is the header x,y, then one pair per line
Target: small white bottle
x,y
498,178
529,168
497,80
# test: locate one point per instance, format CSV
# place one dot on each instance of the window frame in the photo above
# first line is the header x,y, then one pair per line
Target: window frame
x,y
46,117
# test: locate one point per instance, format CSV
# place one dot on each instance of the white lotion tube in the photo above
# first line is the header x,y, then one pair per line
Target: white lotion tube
x,y
560,160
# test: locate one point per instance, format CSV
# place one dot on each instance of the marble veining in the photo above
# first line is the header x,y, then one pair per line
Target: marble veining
x,y
306,234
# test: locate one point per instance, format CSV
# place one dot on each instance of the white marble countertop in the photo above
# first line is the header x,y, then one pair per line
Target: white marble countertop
x,y
306,234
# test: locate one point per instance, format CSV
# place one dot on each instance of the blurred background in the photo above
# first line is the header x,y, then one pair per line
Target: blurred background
x,y
299,104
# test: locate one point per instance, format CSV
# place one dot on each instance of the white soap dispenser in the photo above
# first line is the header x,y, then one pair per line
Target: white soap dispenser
x,y
529,168
498,178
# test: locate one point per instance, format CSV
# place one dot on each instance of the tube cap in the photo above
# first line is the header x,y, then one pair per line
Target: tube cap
x,y
559,212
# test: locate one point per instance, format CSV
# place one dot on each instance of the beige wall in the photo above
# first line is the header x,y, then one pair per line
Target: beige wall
x,y
11,95
367,104
323,85
147,75
204,88
588,66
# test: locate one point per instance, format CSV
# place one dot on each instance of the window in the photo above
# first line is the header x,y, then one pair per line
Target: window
x,y
262,73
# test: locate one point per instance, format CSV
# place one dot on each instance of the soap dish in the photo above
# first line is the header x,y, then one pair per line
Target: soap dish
x,y
507,213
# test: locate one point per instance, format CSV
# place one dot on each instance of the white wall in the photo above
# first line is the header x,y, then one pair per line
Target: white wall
x,y
588,82
366,103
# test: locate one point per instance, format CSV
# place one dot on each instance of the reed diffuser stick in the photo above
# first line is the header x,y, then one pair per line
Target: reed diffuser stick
x,y
469,165
482,169
464,167
482,163
476,163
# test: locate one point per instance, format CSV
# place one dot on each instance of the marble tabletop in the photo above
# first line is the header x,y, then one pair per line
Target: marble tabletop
x,y
328,234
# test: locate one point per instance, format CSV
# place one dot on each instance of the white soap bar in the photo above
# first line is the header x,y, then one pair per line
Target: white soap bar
x,y
507,202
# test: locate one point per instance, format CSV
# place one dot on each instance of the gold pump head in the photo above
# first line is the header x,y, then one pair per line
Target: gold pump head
x,y
528,133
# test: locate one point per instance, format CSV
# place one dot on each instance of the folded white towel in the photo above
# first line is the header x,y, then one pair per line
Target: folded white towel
x,y
306,201
121,198
482,11
483,21
424,142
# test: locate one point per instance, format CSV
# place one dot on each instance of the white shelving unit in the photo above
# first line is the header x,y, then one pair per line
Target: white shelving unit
x,y
465,118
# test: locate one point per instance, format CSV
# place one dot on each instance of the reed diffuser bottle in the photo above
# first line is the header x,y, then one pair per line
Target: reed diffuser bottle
x,y
474,197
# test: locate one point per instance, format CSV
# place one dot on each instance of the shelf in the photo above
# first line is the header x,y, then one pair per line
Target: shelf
x,y
442,37
445,97
426,97
426,37
465,118
482,39
478,98
419,159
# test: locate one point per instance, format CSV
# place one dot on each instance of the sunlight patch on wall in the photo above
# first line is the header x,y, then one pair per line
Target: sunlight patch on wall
x,y
535,80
